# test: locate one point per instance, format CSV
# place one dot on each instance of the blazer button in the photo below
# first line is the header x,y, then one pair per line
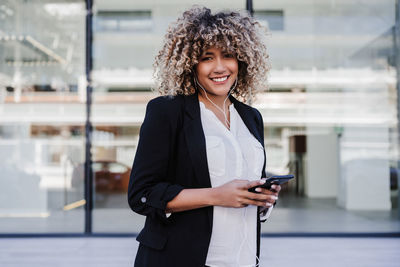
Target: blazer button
x,y
143,199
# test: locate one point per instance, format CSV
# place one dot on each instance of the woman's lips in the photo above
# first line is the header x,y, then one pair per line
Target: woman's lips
x,y
220,80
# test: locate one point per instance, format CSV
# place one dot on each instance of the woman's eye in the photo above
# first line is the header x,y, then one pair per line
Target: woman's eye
x,y
206,58
228,55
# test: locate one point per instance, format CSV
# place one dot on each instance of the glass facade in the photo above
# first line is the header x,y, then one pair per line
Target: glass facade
x,y
42,114
330,114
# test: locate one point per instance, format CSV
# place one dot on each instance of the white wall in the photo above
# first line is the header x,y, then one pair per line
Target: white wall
x,y
364,182
322,165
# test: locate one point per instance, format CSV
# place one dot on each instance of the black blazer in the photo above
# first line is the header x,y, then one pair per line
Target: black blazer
x,y
171,156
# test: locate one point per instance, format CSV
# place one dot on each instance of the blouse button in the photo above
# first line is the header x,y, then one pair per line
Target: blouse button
x,y
143,199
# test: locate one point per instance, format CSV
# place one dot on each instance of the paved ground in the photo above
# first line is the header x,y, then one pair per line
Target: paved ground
x,y
276,252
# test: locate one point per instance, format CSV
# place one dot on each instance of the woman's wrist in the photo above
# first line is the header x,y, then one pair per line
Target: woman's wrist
x,y
212,196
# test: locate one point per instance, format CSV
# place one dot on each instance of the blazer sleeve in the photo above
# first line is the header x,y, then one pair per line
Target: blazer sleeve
x,y
149,188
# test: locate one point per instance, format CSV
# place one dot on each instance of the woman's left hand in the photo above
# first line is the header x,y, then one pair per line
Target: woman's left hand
x,y
273,192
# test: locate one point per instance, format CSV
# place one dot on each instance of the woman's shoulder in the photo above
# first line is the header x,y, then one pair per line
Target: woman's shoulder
x,y
165,107
248,108
166,102
252,112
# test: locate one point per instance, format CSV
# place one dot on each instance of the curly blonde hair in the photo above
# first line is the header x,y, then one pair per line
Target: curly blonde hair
x,y
198,30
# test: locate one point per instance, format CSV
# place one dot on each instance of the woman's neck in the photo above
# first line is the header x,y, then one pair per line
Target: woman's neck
x,y
217,100
218,108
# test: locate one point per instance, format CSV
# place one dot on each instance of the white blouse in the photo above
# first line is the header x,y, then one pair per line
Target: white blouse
x,y
232,154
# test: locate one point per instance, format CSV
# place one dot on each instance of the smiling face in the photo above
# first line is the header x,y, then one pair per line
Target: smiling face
x,y
216,72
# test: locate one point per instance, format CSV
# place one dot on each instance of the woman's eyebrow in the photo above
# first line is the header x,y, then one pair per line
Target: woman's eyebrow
x,y
208,53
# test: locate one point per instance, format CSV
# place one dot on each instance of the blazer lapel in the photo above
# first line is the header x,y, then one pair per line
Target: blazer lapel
x,y
248,118
196,143
195,139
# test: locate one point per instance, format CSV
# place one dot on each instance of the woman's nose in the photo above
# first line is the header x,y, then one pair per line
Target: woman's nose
x,y
220,66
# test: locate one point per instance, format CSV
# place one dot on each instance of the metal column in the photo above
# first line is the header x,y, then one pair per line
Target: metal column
x,y
88,125
396,39
249,6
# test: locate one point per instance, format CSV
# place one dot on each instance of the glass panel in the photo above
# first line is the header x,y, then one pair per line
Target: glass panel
x,y
128,21
124,52
272,19
330,116
330,113
42,112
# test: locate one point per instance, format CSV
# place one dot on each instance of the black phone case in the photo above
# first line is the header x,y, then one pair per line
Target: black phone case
x,y
277,179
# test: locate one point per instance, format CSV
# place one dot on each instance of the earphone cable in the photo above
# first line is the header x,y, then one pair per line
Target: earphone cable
x,y
227,122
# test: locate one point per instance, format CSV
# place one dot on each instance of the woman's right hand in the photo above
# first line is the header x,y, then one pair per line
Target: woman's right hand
x,y
235,194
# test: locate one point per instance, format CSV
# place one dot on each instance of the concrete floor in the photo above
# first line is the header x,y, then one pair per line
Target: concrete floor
x,y
276,252
291,215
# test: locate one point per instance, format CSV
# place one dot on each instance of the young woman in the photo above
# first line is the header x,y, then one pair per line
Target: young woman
x,y
201,149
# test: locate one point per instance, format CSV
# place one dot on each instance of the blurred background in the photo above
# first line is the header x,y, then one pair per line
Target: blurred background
x,y
330,114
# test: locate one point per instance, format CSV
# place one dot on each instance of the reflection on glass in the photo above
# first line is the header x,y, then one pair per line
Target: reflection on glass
x,y
128,21
41,115
272,19
330,113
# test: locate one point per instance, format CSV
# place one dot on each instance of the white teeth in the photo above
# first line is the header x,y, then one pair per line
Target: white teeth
x,y
220,79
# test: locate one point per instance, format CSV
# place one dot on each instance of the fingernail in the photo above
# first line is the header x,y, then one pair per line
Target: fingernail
x,y
273,186
262,181
258,189
275,197
268,204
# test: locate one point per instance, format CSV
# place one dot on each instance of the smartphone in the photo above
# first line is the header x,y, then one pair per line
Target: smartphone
x,y
276,179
